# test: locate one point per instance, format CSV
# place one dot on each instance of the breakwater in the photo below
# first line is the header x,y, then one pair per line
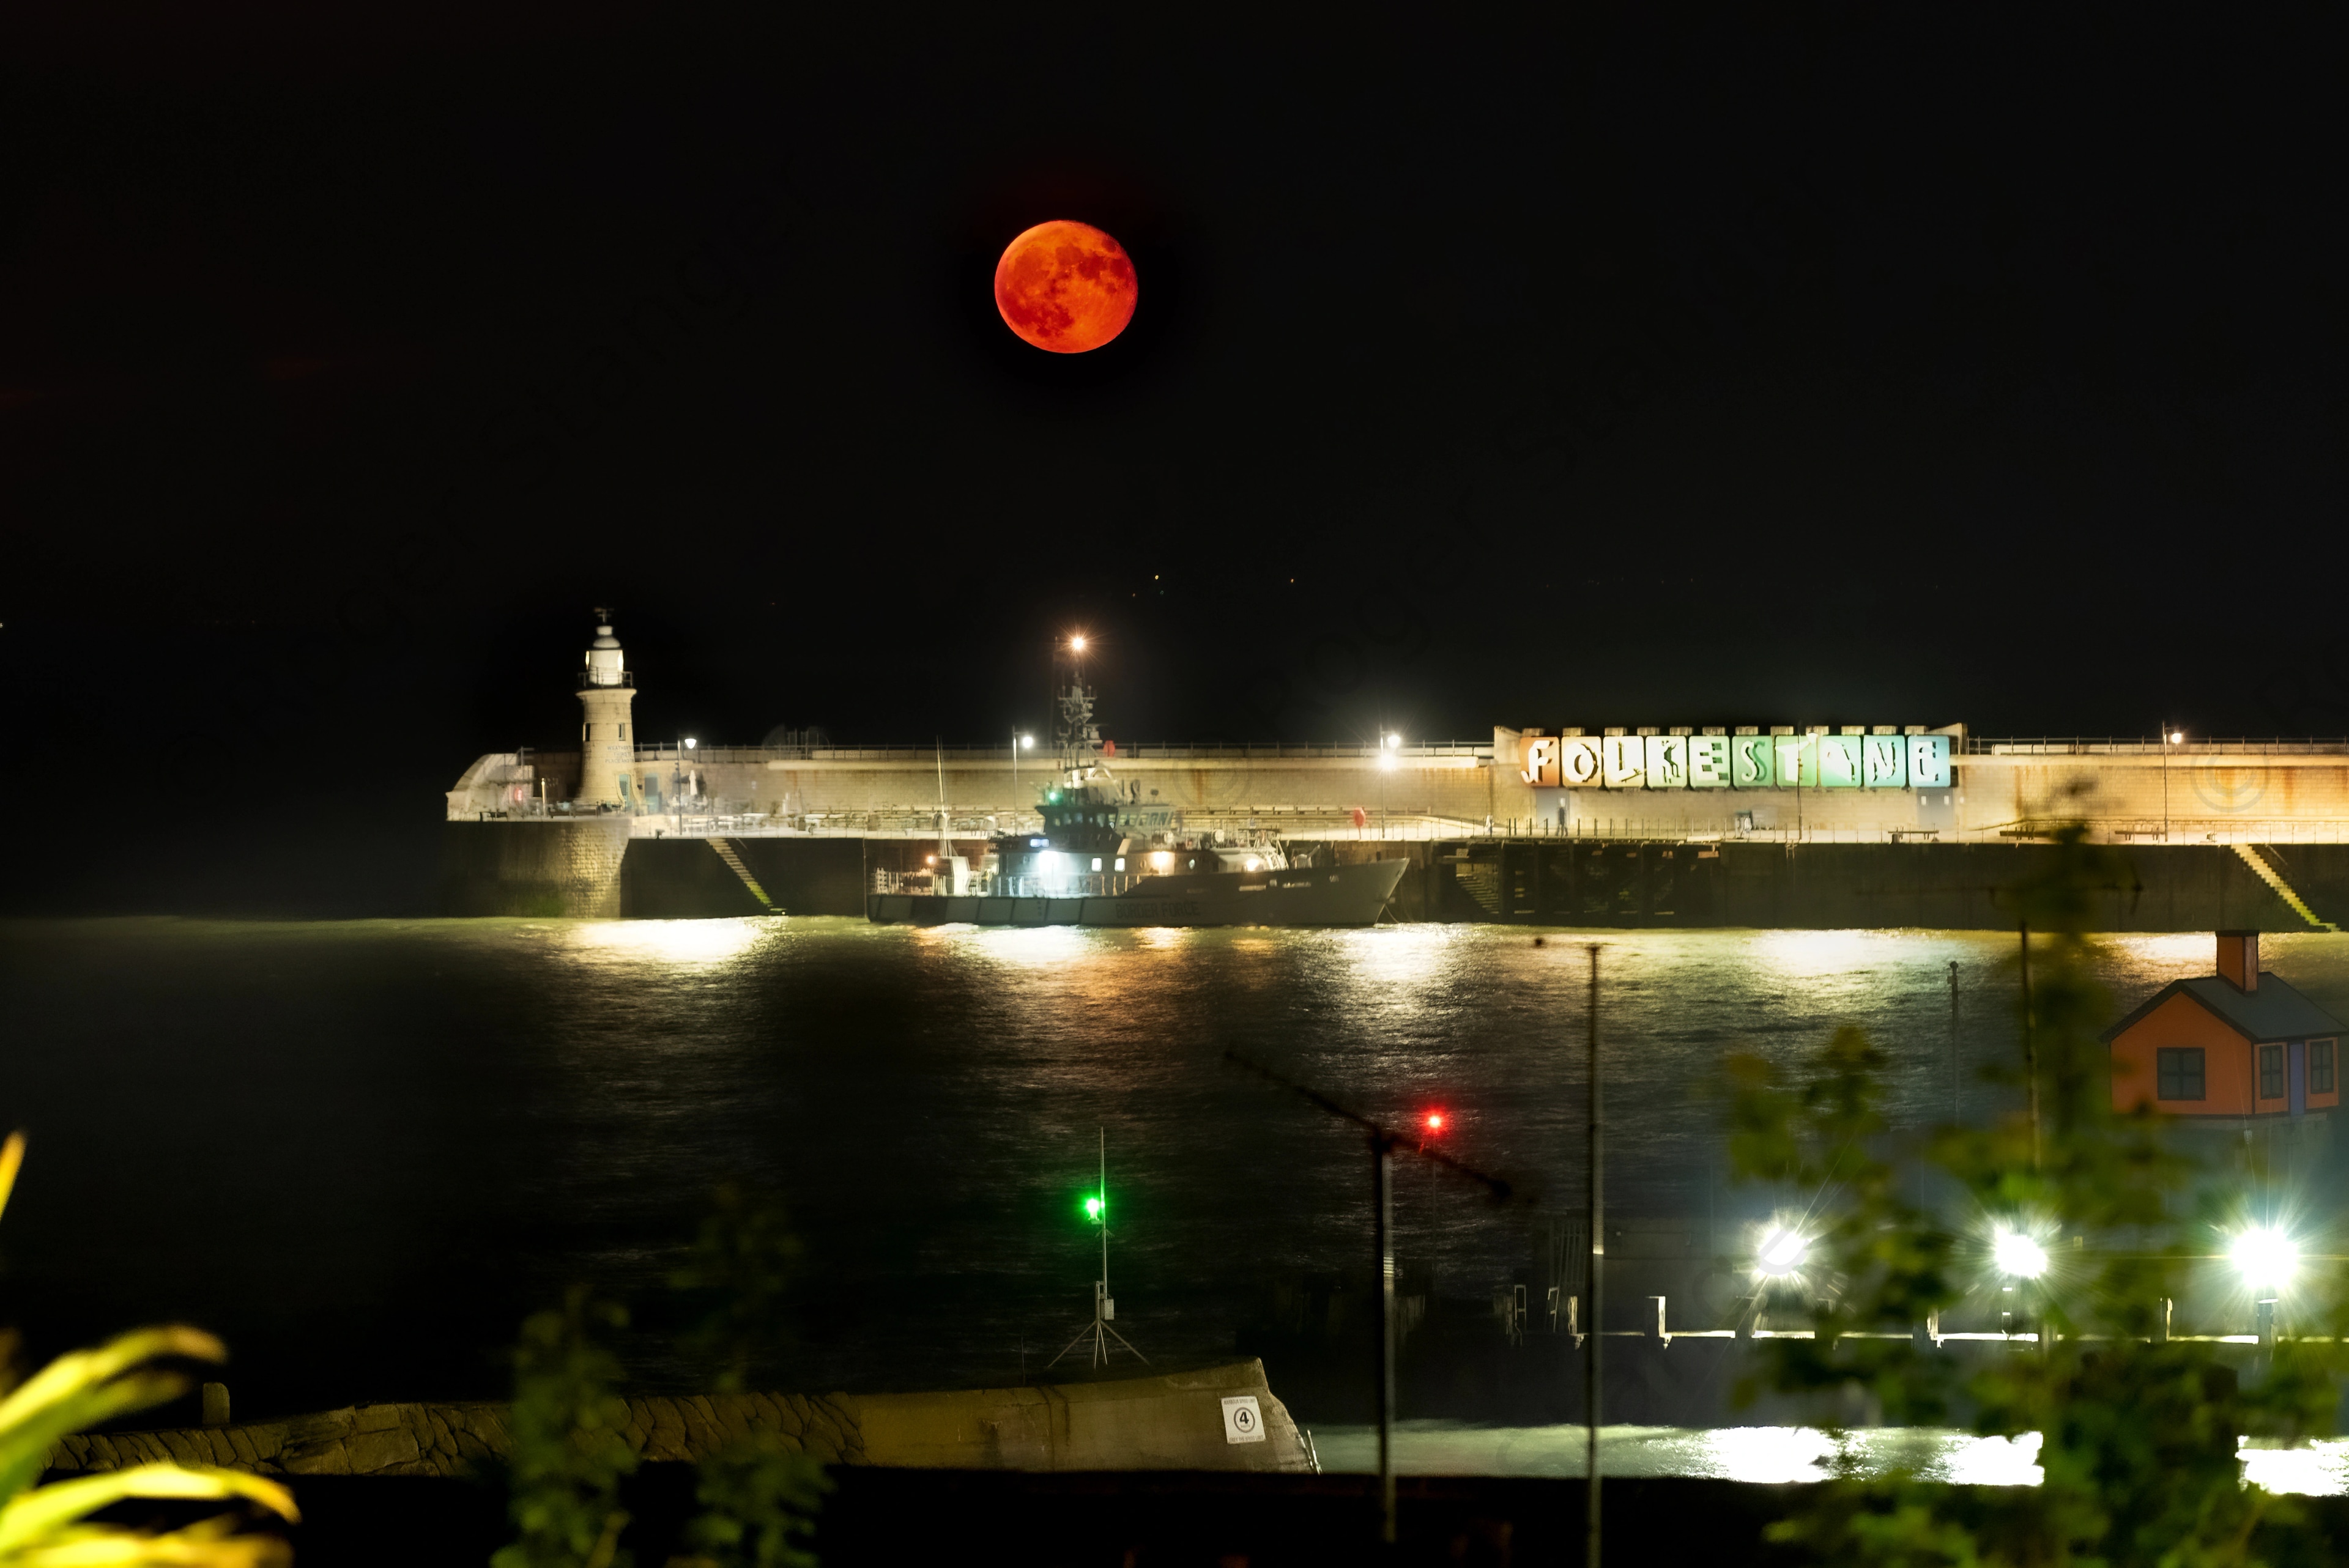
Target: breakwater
x,y
1173,1421
593,868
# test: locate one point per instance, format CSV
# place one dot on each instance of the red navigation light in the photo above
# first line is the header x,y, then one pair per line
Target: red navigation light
x,y
1435,1121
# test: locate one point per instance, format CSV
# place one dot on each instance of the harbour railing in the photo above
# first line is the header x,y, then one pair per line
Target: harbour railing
x,y
1043,760
2142,746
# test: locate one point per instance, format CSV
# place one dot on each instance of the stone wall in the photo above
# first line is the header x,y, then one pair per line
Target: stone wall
x,y
544,868
1171,1421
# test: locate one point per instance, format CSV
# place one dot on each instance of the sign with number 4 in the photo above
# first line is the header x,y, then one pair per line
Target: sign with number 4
x,y
1243,1421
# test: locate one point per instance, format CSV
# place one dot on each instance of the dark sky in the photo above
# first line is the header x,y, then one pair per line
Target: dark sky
x,y
1831,364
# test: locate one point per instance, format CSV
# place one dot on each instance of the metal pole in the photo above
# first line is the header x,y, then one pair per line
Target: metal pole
x,y
2030,1044
1100,1297
1957,1103
1591,1361
2165,781
1383,1207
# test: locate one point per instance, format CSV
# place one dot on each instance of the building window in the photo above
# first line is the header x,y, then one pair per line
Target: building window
x,y
2179,1072
2320,1066
2271,1072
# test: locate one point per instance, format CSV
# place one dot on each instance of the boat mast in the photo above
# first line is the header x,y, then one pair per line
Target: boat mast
x,y
1077,736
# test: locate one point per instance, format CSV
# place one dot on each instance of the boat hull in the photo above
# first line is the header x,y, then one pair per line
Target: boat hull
x,y
1318,895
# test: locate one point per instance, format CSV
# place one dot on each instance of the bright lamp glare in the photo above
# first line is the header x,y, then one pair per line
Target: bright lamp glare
x,y
2264,1256
1783,1251
1395,740
2177,736
1076,643
2018,1256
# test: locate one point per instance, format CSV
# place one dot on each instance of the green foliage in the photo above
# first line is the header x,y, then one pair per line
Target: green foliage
x,y
758,1499
758,1503
569,1450
741,1265
48,1527
2139,1433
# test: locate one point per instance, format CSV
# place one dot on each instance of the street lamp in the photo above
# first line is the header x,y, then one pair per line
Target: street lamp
x,y
2017,1256
2170,737
2266,1258
1782,1252
1020,743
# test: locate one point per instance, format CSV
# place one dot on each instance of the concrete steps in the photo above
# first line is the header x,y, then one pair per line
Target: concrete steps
x,y
2262,868
733,860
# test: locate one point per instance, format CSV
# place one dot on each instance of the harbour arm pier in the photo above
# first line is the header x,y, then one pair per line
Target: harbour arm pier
x,y
1820,826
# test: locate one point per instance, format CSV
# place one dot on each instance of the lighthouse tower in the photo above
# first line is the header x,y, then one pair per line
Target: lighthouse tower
x,y
608,747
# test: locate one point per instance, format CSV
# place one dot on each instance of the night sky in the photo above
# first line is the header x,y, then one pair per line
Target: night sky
x,y
1825,366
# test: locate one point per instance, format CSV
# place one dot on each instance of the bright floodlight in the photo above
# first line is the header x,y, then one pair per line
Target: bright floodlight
x,y
1077,643
1782,1251
2018,1256
2176,736
1028,742
690,743
1395,740
2265,1257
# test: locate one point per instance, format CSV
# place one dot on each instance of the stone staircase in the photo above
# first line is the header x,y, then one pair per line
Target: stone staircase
x,y
2269,872
733,859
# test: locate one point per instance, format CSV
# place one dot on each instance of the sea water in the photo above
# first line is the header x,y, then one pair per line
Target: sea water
x,y
362,1152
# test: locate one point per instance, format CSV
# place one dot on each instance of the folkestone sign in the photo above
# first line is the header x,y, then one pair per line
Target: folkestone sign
x,y
1747,761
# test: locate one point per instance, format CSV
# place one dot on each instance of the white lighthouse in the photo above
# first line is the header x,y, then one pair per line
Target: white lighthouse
x,y
608,747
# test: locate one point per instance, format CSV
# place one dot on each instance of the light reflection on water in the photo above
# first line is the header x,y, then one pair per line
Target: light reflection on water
x,y
393,1137
681,944
1766,1455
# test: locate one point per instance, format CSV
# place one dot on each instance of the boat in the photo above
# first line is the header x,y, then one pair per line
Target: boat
x,y
1106,857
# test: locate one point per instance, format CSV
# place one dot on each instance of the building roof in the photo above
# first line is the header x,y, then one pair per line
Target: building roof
x,y
2273,1012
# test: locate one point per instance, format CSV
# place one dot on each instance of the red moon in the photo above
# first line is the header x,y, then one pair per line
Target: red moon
x,y
1065,287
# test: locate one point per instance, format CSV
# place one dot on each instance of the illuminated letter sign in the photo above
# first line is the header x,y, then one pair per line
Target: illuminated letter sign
x,y
1667,761
1929,761
1815,761
1839,762
1709,762
1623,761
1797,759
1888,762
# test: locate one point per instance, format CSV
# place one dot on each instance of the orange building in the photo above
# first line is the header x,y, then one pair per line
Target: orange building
x,y
2237,1044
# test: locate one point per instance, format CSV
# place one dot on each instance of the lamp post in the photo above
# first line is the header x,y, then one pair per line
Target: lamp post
x,y
2170,737
1019,743
1385,1142
677,783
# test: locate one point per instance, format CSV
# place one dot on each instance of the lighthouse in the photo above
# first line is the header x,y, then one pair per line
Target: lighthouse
x,y
607,750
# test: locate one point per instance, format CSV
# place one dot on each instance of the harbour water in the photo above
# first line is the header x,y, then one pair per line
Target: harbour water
x,y
363,1150
1765,1455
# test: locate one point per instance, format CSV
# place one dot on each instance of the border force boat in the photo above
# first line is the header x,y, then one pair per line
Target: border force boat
x,y
1106,857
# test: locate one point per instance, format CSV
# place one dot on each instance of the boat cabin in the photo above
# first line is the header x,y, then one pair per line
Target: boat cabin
x,y
2237,1044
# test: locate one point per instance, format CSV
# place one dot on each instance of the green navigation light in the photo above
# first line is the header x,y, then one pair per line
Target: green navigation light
x,y
1094,1210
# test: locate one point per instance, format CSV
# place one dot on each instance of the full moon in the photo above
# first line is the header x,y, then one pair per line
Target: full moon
x,y
1065,287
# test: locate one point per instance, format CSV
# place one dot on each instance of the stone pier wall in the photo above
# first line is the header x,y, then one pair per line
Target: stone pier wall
x,y
545,869
1172,1421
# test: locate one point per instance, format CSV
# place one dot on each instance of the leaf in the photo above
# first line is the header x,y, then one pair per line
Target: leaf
x,y
27,1519
87,1387
12,1160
